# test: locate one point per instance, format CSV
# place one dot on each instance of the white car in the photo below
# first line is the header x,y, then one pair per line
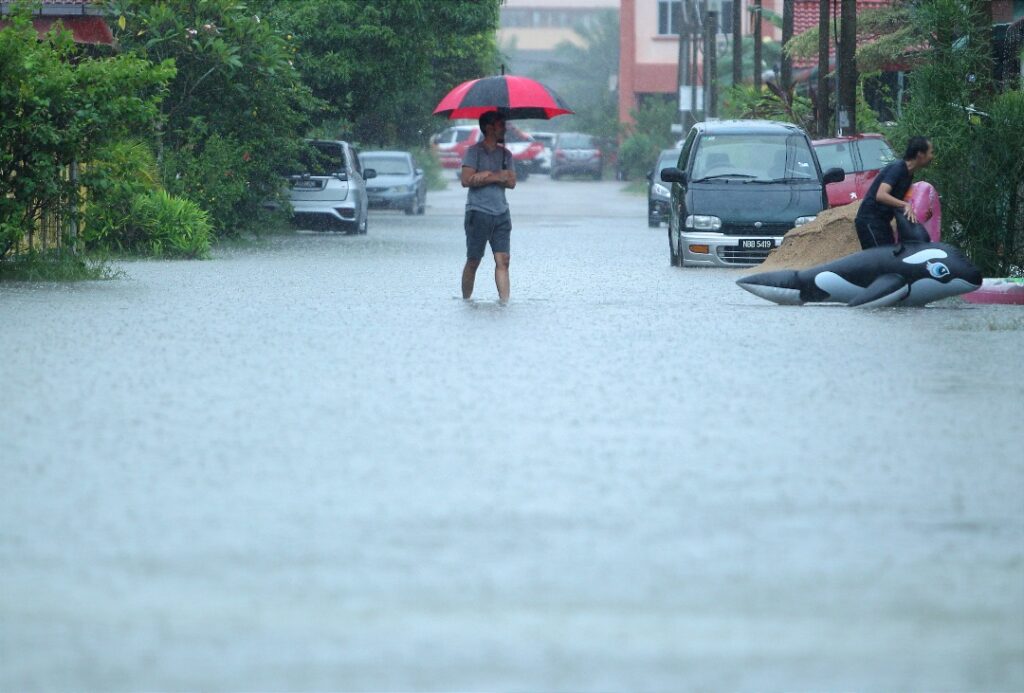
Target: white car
x,y
329,194
544,159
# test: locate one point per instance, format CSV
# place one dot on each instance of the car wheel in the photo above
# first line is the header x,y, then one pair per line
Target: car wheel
x,y
364,227
522,173
653,223
411,207
674,258
555,175
597,175
422,208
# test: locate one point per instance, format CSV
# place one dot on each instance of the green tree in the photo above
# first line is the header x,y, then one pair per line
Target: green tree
x,y
58,108
237,108
380,66
978,169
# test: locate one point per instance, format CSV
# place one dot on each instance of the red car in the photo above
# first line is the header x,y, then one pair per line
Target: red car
x,y
452,143
861,156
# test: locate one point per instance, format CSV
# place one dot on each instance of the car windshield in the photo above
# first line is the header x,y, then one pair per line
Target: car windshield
x,y
575,141
387,165
836,155
323,158
761,157
875,153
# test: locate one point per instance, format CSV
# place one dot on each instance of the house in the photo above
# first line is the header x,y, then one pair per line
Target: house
x,y
82,18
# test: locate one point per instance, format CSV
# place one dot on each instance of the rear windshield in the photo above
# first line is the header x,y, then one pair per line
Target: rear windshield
x,y
322,158
574,140
387,165
875,153
835,155
463,134
546,139
667,160
758,157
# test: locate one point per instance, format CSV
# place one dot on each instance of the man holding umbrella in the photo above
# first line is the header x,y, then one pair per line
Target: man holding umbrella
x,y
487,170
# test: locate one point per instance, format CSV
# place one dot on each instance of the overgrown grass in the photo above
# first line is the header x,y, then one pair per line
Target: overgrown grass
x,y
55,267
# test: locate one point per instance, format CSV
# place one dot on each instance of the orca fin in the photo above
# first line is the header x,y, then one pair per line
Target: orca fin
x,y
885,290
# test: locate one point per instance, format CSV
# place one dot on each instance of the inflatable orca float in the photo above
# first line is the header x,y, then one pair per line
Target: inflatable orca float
x,y
910,274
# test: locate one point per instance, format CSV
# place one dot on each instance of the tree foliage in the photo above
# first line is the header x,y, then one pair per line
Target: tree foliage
x,y
380,66
237,108
58,110
978,169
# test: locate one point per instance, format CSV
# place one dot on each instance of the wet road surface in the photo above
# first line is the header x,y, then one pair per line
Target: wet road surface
x,y
308,464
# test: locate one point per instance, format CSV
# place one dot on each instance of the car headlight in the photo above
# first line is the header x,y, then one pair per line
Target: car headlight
x,y
701,222
800,221
659,189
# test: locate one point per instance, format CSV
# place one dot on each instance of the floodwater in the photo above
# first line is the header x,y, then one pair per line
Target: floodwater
x,y
308,464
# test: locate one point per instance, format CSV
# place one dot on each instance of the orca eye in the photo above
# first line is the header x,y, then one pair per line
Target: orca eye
x,y
938,270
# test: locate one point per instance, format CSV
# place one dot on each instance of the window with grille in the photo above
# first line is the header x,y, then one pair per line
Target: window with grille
x,y
669,17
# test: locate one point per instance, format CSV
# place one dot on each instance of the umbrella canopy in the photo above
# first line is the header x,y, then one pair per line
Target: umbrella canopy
x,y
516,97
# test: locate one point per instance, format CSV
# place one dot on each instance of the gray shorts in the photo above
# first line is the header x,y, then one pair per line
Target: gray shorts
x,y
483,228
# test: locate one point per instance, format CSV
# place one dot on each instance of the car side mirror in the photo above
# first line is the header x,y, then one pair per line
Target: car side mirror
x,y
834,175
650,176
419,172
369,173
673,175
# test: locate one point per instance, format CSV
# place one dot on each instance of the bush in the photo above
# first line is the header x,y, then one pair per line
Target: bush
x,y
171,226
60,107
636,154
121,172
432,171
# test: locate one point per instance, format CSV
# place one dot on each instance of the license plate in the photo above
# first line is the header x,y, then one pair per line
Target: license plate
x,y
307,184
756,244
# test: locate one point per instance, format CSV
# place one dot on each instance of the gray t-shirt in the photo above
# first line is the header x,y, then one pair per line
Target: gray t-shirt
x,y
487,198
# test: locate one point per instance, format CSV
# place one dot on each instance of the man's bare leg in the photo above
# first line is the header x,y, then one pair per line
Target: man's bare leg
x,y
468,277
501,261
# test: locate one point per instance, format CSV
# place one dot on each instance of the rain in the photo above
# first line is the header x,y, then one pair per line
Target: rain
x,y
308,463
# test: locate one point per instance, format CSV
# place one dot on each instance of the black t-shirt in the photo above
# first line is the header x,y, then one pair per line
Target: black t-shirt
x,y
897,176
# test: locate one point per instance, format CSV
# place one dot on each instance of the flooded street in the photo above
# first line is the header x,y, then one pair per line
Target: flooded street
x,y
308,464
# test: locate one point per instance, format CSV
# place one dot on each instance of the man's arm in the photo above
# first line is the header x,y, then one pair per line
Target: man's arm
x,y
885,196
471,178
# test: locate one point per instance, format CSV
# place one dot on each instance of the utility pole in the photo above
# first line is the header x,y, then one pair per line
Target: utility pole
x,y
847,61
757,44
786,78
737,42
821,100
710,67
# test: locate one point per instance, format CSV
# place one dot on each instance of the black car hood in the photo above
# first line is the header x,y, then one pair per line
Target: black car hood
x,y
739,202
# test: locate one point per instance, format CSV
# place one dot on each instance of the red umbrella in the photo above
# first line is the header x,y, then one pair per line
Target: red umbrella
x,y
516,97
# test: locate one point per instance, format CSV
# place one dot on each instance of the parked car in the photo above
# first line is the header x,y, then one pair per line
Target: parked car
x,y
450,144
399,183
658,194
547,140
739,186
329,192
861,156
576,153
451,148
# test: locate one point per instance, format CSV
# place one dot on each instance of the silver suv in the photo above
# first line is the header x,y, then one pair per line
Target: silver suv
x,y
329,194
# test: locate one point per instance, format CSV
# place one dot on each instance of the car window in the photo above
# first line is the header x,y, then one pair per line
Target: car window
x,y
757,156
573,140
323,158
463,134
875,153
836,155
387,165
356,163
687,148
513,134
547,140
